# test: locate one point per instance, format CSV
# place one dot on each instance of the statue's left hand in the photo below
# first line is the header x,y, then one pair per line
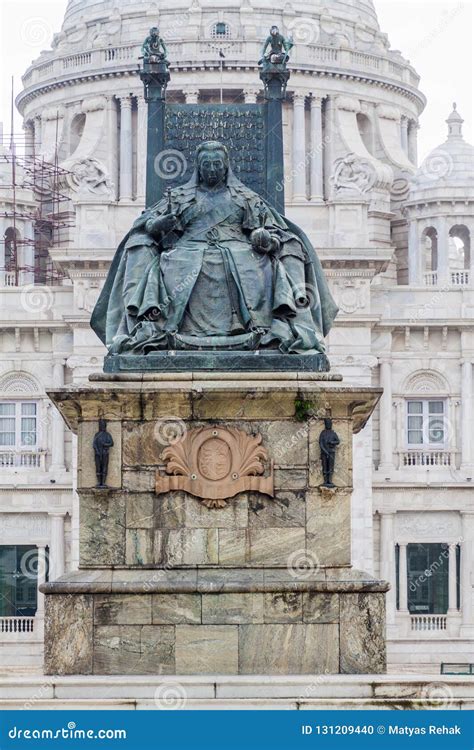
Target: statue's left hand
x,y
263,242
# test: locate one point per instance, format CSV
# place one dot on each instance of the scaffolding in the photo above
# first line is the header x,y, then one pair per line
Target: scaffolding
x,y
23,258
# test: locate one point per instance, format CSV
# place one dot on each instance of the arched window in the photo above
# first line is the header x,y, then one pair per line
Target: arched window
x,y
221,30
459,254
428,426
20,413
429,248
366,131
77,128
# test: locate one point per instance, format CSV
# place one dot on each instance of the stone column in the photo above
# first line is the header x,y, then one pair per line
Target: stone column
x,y
412,142
443,251
385,428
41,579
404,133
28,127
467,421
250,95
387,564
57,550
467,628
452,598
125,148
141,146
403,578
299,148
2,251
317,154
191,95
57,424
415,255
37,136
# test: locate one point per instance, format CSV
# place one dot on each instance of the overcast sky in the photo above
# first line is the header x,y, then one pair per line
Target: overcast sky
x,y
435,36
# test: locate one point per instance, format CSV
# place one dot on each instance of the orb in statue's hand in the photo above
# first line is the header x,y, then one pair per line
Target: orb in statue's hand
x,y
261,240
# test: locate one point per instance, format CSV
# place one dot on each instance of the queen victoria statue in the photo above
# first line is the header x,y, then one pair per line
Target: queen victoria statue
x,y
212,267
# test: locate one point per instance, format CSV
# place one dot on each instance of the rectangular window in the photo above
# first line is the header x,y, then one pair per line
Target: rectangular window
x,y
18,581
425,425
427,570
18,425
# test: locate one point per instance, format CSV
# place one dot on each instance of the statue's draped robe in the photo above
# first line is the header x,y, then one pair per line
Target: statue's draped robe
x,y
204,286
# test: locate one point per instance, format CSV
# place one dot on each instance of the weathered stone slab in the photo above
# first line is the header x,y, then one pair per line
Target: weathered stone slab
x,y
86,475
139,481
283,607
207,649
286,440
129,649
232,609
320,607
191,547
69,634
139,547
289,479
288,649
176,609
140,513
328,526
170,510
166,407
122,609
234,515
242,404
362,623
273,546
102,528
286,509
233,545
157,646
141,446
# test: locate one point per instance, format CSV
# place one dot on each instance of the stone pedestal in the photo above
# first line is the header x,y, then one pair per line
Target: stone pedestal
x,y
214,548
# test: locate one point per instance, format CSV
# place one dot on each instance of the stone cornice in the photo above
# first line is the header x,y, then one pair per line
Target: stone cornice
x,y
72,79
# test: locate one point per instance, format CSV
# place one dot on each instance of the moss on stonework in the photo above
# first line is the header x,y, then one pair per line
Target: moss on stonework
x,y
304,410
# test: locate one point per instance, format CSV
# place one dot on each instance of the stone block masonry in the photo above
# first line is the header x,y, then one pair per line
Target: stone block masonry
x,y
262,584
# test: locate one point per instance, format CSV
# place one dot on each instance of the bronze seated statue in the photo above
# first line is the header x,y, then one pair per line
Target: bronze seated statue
x,y
213,267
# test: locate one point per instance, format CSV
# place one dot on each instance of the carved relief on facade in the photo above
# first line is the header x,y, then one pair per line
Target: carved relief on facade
x,y
88,175
428,526
215,464
350,294
354,175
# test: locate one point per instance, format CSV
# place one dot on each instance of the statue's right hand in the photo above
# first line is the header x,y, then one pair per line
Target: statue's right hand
x,y
164,224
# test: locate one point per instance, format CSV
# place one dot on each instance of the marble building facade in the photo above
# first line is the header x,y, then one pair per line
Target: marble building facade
x,y
394,238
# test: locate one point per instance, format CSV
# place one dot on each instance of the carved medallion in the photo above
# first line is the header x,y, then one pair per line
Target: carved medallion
x,y
215,464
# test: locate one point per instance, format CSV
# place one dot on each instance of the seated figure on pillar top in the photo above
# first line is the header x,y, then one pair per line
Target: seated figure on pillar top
x,y
212,266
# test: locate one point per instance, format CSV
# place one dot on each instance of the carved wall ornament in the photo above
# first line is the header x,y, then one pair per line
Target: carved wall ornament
x,y
215,464
355,175
89,176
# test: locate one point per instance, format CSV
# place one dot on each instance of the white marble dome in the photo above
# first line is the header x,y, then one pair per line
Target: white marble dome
x,y
361,12
450,166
